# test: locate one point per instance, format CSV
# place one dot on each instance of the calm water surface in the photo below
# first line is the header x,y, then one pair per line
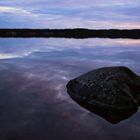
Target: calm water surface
x,y
34,104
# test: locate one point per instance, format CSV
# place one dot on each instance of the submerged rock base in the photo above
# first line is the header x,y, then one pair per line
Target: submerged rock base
x,y
111,92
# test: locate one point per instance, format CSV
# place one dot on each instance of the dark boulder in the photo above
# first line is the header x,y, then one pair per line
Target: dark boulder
x,y
111,92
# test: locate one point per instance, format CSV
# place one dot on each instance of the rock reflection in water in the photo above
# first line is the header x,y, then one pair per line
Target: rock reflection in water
x,y
34,104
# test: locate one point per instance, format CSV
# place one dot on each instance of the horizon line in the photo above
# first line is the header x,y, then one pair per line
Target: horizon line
x,y
71,28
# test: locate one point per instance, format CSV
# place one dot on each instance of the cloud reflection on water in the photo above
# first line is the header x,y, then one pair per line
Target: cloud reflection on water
x,y
33,101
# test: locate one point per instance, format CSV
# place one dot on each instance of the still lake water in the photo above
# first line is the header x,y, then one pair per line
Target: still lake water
x,y
34,104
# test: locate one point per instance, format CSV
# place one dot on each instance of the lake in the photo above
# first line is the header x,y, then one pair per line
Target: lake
x,y
34,104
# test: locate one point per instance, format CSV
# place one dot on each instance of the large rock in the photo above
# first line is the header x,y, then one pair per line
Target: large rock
x,y
111,92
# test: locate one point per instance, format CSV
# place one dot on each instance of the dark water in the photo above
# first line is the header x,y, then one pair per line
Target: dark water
x,y
34,104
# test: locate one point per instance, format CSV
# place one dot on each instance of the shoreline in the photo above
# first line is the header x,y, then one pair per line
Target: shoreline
x,y
71,33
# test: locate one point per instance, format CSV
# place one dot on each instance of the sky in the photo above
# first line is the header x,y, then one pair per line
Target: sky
x,y
95,14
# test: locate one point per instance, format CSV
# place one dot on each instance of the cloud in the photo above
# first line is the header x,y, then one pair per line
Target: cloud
x,y
70,14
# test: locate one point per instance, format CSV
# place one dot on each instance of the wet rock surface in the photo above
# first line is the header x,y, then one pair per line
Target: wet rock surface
x,y
111,92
